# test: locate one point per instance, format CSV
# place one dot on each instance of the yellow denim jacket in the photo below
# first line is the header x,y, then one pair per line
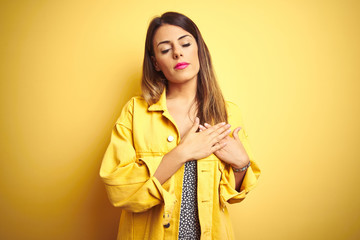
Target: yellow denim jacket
x,y
139,140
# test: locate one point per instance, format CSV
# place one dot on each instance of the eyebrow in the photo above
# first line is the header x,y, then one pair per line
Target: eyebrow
x,y
167,41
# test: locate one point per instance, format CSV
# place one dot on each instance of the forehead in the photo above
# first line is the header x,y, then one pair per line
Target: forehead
x,y
169,33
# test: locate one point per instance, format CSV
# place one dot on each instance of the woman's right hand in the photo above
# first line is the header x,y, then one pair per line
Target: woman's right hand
x,y
193,146
196,145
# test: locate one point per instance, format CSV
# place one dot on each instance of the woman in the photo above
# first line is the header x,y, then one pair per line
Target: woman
x,y
172,163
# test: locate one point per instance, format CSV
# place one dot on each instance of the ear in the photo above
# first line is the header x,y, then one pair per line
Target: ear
x,y
155,64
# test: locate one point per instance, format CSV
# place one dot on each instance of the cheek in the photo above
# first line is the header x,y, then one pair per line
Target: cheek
x,y
196,57
162,63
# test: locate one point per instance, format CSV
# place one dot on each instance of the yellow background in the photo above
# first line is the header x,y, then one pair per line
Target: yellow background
x,y
67,68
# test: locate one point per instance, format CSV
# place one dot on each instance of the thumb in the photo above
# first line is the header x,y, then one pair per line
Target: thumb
x,y
195,126
236,133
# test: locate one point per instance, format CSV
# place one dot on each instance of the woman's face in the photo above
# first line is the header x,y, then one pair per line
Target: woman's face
x,y
176,54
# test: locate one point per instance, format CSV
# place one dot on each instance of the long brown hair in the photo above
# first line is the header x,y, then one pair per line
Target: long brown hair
x,y
209,99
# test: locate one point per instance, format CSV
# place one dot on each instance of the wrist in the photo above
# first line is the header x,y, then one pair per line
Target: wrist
x,y
240,164
181,155
243,169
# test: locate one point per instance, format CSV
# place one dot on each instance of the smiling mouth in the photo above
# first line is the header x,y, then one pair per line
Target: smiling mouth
x,y
181,65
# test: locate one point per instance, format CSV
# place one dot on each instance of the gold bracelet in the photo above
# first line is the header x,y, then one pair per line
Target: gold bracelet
x,y
241,169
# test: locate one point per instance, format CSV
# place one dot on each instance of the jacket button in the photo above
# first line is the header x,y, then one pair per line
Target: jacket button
x,y
167,225
170,138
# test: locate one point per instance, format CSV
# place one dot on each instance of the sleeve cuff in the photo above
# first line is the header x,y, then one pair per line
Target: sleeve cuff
x,y
228,192
168,195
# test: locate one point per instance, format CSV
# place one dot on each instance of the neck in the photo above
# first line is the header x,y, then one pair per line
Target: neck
x,y
182,91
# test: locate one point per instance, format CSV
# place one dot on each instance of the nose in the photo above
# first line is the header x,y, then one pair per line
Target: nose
x,y
177,52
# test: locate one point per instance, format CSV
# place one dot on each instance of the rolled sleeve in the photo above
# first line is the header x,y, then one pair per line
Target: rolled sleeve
x,y
228,193
129,179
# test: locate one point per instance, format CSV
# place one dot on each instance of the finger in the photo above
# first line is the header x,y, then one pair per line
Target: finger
x,y
222,136
220,142
216,126
202,128
218,129
236,133
195,126
218,146
211,129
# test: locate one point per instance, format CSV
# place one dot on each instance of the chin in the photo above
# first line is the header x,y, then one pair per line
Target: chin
x,y
183,78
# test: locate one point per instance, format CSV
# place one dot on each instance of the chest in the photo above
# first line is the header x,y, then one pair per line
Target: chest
x,y
159,131
183,115
183,121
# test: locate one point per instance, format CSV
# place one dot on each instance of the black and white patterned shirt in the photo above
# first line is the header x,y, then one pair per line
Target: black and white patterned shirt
x,y
189,227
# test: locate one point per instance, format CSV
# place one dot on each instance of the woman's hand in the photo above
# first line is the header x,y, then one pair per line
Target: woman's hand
x,y
233,151
196,145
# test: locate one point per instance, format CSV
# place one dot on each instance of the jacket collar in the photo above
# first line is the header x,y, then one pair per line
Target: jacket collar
x,y
159,105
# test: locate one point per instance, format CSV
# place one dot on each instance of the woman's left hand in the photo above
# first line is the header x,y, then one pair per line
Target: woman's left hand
x,y
234,152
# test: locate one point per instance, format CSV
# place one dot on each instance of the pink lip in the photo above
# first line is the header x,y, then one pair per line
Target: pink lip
x,y
181,65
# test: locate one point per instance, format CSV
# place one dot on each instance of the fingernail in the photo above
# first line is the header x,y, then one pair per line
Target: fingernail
x,y
223,123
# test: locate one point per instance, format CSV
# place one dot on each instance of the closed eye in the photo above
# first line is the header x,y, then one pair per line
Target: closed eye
x,y
165,51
